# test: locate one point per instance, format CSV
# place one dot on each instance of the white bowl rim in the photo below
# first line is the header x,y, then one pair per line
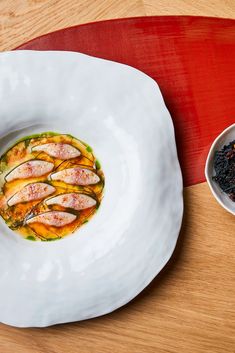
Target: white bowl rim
x,y
76,262
209,156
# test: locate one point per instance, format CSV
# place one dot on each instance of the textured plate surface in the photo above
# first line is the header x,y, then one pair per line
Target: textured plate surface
x,y
120,112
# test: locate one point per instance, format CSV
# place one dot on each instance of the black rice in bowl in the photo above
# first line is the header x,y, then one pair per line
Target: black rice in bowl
x,y
224,165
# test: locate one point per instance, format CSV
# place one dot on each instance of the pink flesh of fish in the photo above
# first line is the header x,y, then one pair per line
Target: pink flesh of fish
x,y
53,218
72,200
33,168
58,150
31,192
76,176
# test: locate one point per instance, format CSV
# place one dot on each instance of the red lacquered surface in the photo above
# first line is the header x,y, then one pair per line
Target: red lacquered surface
x,y
191,58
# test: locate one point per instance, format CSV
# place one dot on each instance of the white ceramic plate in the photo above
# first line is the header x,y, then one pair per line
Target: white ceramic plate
x,y
120,112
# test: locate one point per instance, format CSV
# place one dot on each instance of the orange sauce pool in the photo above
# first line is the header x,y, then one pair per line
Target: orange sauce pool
x,y
16,215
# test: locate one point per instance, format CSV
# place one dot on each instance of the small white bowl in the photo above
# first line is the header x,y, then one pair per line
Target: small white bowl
x,y
224,138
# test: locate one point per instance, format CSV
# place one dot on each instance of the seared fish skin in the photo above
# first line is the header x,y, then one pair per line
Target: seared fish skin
x,y
53,218
76,176
58,150
72,200
31,192
33,168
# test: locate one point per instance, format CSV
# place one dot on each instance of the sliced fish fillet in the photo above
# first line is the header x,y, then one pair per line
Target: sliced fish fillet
x,y
72,200
31,192
30,169
53,218
58,150
76,176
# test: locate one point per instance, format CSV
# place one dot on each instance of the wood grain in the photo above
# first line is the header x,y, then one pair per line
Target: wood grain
x,y
21,20
190,306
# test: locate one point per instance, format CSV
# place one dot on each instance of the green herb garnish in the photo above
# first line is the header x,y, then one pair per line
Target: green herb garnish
x,y
89,149
30,237
97,164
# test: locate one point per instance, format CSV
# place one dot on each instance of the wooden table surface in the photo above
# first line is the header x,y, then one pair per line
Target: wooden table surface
x,y
190,306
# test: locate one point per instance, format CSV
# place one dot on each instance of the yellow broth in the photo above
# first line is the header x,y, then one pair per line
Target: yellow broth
x,y
16,215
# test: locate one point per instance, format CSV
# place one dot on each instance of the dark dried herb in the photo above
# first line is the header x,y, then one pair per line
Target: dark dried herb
x,y
224,165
